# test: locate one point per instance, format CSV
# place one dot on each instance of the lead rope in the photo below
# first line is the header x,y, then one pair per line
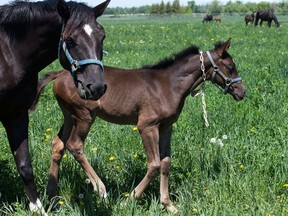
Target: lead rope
x,y
205,116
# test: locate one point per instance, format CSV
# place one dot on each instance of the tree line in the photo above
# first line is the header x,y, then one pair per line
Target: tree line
x,y
215,7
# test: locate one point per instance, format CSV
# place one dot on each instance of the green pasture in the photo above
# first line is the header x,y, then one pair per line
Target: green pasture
x,y
247,175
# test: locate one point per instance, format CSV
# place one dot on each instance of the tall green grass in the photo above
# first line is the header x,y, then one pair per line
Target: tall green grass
x,y
246,176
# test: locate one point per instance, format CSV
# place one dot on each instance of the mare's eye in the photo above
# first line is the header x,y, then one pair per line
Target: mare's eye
x,y
70,42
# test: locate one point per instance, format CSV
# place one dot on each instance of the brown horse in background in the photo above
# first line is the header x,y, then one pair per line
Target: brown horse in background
x,y
217,19
249,18
151,98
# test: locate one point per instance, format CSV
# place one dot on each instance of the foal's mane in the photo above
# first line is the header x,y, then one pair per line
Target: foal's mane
x,y
192,50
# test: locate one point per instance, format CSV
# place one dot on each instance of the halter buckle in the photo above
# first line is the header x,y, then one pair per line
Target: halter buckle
x,y
75,65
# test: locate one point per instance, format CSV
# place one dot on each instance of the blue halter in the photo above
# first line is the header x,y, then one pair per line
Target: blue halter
x,y
76,64
228,81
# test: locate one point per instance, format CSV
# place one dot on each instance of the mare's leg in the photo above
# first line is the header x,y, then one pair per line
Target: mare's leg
x,y
150,138
261,22
165,156
58,150
17,132
75,146
269,23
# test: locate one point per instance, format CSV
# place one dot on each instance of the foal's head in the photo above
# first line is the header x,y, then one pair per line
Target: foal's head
x,y
80,47
224,72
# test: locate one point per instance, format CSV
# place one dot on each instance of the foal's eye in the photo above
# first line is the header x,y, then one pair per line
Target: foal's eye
x,y
230,68
70,42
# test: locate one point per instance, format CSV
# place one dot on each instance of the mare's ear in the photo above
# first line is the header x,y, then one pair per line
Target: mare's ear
x,y
99,9
225,46
63,9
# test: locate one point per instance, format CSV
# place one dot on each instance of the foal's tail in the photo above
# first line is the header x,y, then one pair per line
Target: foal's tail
x,y
52,75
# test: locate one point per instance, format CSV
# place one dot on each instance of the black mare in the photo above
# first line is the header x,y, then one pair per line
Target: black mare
x,y
266,15
207,18
30,35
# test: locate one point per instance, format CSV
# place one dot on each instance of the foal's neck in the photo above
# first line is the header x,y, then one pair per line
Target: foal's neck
x,y
188,74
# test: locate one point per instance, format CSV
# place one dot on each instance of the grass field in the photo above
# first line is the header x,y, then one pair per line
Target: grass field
x,y
248,175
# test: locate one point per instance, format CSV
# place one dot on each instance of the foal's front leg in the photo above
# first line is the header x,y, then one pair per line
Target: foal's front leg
x,y
150,138
165,155
75,145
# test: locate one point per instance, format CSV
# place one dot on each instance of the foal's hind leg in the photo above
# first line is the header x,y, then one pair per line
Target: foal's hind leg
x,y
165,156
75,146
57,154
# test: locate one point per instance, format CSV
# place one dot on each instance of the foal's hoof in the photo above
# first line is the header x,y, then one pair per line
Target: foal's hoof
x,y
171,208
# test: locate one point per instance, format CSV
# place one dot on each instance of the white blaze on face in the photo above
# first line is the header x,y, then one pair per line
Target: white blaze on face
x,y
88,29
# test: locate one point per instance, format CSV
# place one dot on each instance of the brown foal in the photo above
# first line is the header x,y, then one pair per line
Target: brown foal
x,y
151,98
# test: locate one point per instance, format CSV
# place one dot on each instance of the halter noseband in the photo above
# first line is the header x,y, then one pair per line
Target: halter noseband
x,y
228,81
75,64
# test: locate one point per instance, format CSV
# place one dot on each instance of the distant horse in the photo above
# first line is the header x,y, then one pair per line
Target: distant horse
x,y
217,19
32,34
266,15
151,98
207,18
249,18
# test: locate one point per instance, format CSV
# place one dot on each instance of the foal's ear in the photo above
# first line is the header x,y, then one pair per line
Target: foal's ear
x,y
63,10
99,9
225,46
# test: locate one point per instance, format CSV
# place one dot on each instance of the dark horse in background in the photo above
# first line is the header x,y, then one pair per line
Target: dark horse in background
x,y
266,15
249,18
32,34
151,98
207,18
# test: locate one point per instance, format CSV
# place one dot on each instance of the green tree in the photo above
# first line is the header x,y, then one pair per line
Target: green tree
x,y
162,8
176,6
215,7
168,8
192,5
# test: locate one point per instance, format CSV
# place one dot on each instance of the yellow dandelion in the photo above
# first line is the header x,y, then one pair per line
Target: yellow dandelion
x,y
61,202
117,167
64,156
135,155
134,128
94,149
126,195
47,137
111,158
253,129
241,166
195,210
285,185
48,129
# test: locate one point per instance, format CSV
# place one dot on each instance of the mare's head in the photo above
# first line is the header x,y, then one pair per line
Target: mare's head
x,y
80,47
224,72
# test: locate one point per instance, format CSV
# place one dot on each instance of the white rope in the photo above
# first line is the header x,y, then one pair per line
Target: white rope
x,y
205,116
